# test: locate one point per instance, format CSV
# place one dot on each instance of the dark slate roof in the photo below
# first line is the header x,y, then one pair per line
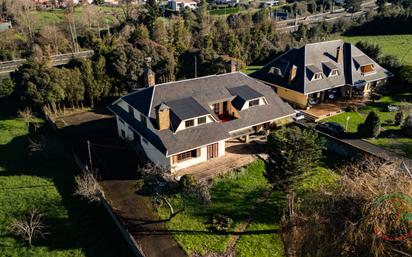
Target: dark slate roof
x,y
140,99
199,94
245,92
186,108
320,57
138,127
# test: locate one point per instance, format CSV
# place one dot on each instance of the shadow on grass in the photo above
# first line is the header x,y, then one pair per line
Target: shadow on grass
x,y
87,227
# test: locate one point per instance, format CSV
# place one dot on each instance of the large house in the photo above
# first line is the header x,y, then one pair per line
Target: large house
x,y
181,5
322,71
182,123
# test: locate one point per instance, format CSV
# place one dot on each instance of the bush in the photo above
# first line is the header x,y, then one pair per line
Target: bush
x,y
188,181
6,87
398,118
219,222
351,108
407,125
371,127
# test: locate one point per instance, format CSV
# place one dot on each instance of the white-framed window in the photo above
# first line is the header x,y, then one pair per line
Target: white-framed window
x,y
317,76
253,102
334,73
189,123
201,120
123,133
276,71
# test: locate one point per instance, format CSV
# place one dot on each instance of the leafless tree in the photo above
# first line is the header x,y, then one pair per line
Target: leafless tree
x,y
26,115
158,177
71,23
22,12
30,227
52,37
88,187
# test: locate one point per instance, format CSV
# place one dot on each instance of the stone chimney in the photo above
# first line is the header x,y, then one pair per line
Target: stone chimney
x,y
149,78
163,116
292,73
339,55
231,66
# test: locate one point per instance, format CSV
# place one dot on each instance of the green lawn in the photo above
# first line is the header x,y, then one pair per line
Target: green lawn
x,y
391,137
46,183
234,195
396,45
251,68
225,11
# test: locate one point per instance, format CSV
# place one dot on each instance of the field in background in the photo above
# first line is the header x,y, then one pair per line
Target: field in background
x,y
396,45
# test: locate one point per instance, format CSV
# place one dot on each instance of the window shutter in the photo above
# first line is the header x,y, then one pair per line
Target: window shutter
x,y
174,159
198,152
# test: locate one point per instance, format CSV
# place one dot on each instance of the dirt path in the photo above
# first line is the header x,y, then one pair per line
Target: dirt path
x,y
140,221
243,226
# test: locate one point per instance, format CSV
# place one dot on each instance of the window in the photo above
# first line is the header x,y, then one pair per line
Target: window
x,y
131,110
367,68
189,123
145,141
253,102
276,71
317,76
123,133
143,119
188,155
334,73
201,120
216,108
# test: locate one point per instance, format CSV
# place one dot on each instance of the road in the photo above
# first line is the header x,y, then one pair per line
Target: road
x,y
60,59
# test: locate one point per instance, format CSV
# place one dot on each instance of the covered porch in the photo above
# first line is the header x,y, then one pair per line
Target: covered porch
x,y
237,154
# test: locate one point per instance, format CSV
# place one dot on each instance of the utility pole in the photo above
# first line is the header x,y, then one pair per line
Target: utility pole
x,y
195,66
90,155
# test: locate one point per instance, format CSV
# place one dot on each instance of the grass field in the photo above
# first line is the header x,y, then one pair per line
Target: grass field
x,y
391,137
396,45
109,16
251,68
234,195
45,182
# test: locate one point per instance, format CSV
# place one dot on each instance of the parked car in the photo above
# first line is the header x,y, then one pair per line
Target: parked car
x,y
298,115
331,128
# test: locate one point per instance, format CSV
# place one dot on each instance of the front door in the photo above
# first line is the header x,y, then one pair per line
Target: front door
x,y
212,151
225,109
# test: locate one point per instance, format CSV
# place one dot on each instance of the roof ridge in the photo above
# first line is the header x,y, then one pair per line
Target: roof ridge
x,y
322,42
203,77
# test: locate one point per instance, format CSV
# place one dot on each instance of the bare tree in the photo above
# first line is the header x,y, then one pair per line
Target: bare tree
x,y
157,177
88,187
26,115
30,227
22,12
71,23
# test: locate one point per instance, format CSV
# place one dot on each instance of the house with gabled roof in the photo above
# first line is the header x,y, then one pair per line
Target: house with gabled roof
x,y
321,72
183,123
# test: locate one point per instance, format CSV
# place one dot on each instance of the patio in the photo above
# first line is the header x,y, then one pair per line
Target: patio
x,y
238,154
328,109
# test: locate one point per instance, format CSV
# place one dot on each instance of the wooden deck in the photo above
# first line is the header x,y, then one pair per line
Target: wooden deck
x,y
325,110
238,154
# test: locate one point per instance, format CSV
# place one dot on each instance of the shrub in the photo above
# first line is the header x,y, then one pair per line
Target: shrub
x,y
6,87
398,118
220,222
351,108
371,127
407,125
188,181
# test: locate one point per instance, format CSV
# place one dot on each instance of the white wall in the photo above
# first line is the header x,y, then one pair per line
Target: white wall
x,y
182,124
123,126
200,159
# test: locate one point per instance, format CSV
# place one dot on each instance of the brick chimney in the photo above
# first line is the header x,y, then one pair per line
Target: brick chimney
x,y
292,73
339,55
163,116
149,78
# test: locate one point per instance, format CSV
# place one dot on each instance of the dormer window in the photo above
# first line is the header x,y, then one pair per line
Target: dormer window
x,y
253,102
276,71
189,123
334,73
317,76
367,68
201,120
